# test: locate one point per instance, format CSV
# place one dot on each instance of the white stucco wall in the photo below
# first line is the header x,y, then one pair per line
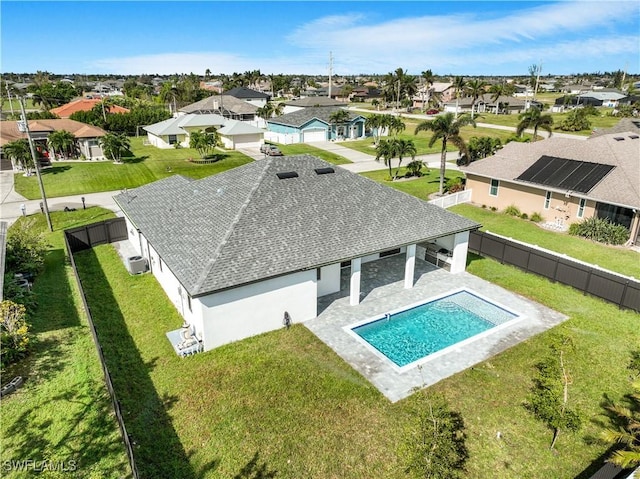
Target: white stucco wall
x,y
329,281
134,236
253,309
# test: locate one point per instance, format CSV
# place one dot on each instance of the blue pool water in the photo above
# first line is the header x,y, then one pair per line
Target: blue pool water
x,y
430,327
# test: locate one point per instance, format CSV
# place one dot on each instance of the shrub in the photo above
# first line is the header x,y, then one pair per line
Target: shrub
x,y
493,208
484,207
14,333
536,217
453,185
512,210
414,168
524,216
25,249
601,230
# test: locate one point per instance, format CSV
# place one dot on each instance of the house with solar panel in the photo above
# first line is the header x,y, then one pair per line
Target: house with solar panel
x,y
252,249
565,180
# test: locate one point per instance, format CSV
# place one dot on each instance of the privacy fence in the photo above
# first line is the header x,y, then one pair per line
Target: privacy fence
x,y
86,237
620,290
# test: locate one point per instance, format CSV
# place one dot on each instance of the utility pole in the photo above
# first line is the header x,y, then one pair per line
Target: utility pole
x,y
330,74
25,125
9,95
535,89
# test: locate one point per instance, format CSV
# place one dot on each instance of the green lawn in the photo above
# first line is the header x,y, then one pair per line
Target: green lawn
x,y
63,412
615,258
598,122
301,148
420,187
286,401
147,164
28,104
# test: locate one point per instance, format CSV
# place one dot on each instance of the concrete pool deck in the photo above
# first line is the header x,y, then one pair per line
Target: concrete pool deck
x,y
382,290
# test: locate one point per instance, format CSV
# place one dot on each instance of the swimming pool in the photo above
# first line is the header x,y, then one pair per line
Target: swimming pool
x,y
412,335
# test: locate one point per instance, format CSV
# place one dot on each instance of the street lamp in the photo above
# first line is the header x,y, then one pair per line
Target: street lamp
x,y
23,126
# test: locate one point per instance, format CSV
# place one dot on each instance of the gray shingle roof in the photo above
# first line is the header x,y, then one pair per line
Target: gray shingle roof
x,y
246,224
217,102
246,93
301,117
621,186
311,101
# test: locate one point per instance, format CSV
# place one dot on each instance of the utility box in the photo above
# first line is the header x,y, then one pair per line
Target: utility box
x,y
137,264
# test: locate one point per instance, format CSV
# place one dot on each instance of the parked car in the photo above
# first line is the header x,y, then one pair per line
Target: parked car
x,y
433,111
273,151
264,147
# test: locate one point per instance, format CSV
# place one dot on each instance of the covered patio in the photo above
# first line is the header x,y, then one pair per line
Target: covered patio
x,y
383,289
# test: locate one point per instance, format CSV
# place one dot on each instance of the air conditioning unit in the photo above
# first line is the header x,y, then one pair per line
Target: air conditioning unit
x,y
137,264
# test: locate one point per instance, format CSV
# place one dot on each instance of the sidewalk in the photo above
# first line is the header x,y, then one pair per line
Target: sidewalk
x,y
11,202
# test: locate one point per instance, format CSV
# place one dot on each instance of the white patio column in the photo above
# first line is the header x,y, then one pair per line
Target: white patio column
x,y
460,248
354,297
409,266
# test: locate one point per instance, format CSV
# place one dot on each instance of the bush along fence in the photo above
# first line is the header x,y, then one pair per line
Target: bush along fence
x,y
615,288
86,237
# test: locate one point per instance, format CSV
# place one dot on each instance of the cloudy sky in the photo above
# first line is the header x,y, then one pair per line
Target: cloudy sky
x,y
460,38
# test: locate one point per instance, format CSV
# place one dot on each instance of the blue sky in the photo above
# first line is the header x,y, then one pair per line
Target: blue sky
x,y
462,38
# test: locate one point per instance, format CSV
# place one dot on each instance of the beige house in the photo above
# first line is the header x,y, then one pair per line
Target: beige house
x,y
565,180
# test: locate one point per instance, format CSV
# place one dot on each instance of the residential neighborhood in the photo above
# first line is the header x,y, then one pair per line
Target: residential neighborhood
x,y
343,247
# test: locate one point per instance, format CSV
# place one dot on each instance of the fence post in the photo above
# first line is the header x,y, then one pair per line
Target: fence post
x,y
624,294
586,286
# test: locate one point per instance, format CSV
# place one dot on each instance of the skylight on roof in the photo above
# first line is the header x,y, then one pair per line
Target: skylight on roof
x,y
287,174
618,138
634,137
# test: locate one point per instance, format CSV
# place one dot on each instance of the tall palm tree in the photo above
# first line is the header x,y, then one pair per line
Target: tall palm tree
x,y
339,117
114,145
403,148
446,128
19,152
395,124
458,86
374,123
428,78
61,141
533,118
475,89
386,150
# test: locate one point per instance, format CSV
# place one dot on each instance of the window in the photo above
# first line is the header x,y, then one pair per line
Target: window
x,y
583,202
173,139
547,200
493,190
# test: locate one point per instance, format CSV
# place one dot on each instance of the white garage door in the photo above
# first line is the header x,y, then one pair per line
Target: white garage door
x,y
309,136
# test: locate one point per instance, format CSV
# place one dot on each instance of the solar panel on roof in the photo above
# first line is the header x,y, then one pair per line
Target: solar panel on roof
x,y
572,175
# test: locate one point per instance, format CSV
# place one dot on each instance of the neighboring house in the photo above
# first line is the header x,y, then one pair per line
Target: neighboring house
x,y
486,103
444,91
87,136
256,98
565,180
308,102
233,133
239,251
313,124
224,105
85,104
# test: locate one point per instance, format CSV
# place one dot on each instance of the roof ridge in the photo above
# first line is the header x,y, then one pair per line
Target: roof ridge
x,y
207,270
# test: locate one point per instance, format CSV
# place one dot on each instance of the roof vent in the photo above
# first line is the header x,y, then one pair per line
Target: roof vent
x,y
324,171
287,174
634,137
618,138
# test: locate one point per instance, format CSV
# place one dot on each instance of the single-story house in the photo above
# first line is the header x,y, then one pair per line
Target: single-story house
x,y
233,133
85,104
608,99
224,105
313,124
248,95
240,251
486,103
87,140
565,180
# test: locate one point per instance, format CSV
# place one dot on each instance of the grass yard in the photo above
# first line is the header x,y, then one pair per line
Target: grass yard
x,y
621,260
147,164
284,401
302,148
15,103
597,122
63,412
420,187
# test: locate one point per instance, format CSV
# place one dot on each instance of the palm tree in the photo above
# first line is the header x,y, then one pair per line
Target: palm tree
x,y
533,118
628,431
403,148
339,117
203,141
395,124
458,86
428,78
19,152
61,141
114,145
446,128
475,88
386,150
374,123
